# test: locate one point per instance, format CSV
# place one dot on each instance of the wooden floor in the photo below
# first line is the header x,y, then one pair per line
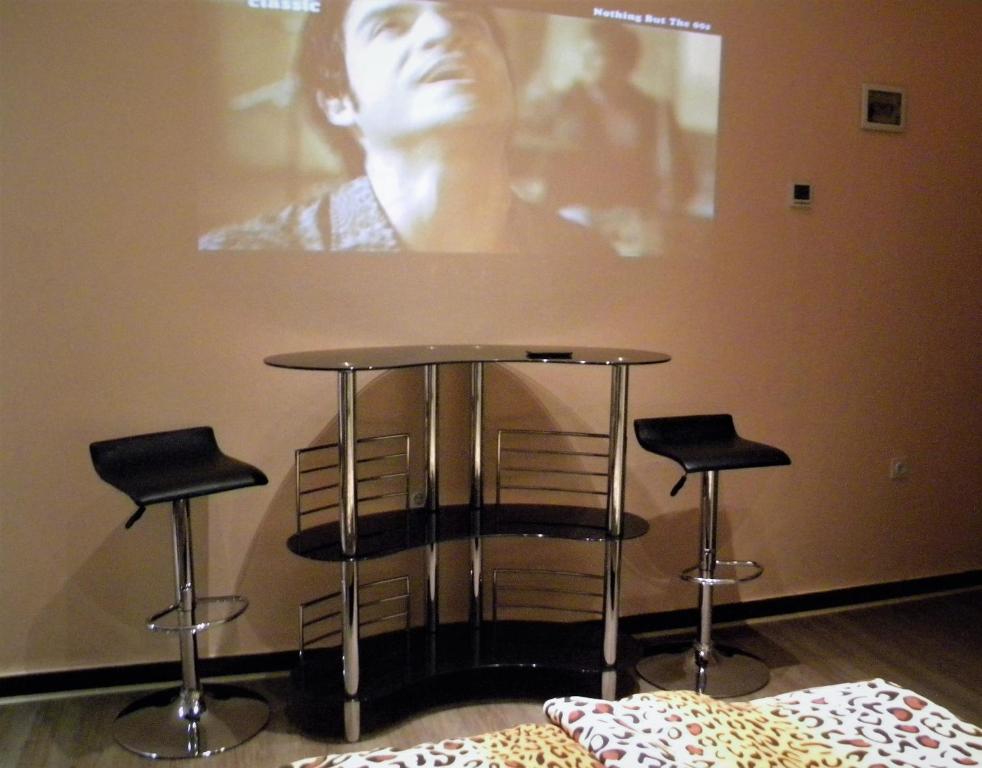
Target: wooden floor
x,y
932,645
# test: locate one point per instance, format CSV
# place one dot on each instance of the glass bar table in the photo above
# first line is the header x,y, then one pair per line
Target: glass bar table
x,y
345,541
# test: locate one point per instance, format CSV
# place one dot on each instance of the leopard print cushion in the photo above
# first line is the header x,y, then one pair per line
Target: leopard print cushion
x,y
524,746
872,724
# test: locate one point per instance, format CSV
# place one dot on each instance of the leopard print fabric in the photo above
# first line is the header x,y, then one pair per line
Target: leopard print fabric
x,y
872,724
688,729
524,746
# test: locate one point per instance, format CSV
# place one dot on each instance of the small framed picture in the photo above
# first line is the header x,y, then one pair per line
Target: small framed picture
x,y
884,108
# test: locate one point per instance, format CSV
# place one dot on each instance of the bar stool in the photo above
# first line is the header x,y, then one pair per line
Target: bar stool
x,y
177,466
708,445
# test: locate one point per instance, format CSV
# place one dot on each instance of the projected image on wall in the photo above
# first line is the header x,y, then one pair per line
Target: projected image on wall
x,y
455,127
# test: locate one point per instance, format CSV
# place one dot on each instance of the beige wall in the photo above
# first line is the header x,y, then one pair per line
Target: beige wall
x,y
846,334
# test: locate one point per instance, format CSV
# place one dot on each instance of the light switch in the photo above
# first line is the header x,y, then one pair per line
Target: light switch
x,y
801,195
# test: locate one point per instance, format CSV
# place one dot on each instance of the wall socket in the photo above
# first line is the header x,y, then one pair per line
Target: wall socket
x,y
899,468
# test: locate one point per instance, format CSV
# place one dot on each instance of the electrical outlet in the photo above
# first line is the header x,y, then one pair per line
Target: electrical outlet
x,y
899,468
418,500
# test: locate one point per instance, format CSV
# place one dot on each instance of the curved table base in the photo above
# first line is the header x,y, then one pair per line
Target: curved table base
x,y
415,670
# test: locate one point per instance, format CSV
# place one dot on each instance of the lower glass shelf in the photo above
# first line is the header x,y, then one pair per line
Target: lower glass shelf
x,y
414,670
386,533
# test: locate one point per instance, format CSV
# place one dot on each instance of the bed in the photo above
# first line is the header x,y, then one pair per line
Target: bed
x,y
869,724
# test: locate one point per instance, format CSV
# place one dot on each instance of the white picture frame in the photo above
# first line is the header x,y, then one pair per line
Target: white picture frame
x,y
884,108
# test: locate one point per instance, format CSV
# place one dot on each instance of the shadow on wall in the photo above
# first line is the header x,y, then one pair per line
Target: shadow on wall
x,y
277,581
652,570
139,561
99,614
96,614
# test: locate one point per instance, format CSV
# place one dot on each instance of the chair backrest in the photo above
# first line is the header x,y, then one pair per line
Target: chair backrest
x,y
675,430
552,466
121,458
383,467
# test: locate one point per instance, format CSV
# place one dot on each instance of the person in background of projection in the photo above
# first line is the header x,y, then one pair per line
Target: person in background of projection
x,y
418,97
621,158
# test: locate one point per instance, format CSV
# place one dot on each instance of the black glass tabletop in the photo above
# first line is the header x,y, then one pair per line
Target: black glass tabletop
x,y
380,358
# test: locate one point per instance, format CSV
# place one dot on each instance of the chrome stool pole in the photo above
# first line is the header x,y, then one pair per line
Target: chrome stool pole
x,y
195,720
707,444
187,722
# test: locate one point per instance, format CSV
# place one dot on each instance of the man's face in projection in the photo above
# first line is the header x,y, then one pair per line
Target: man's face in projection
x,y
416,66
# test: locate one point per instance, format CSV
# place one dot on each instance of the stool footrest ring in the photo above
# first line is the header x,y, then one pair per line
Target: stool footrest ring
x,y
232,606
755,568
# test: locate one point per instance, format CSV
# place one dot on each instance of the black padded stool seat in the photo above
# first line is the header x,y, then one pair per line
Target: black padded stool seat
x,y
703,443
165,466
707,444
176,466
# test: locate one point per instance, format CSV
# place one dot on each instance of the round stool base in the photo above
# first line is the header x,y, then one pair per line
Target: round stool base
x,y
153,726
729,672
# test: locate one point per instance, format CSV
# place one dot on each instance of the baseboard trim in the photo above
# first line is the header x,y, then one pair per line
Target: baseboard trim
x,y
277,662
812,601
98,678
